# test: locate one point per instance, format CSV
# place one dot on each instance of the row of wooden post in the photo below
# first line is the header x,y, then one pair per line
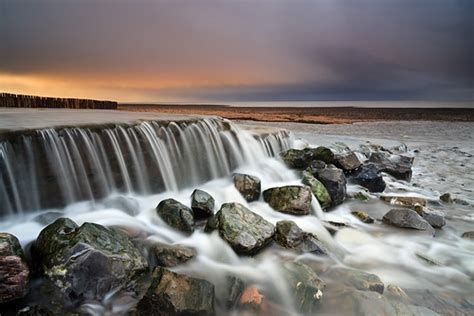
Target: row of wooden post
x,y
28,101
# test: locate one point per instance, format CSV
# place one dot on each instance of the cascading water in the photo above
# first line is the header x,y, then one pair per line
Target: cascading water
x,y
56,167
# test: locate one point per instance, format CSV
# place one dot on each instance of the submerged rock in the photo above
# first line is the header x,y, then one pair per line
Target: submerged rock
x,y
318,189
234,290
171,293
14,272
305,285
176,215
435,218
398,166
368,176
363,217
291,199
245,231
248,186
468,235
347,161
123,203
171,255
88,261
361,196
446,198
334,181
409,201
358,279
405,218
202,204
252,300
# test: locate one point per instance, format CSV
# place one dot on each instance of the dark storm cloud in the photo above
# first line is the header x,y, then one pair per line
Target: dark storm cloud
x,y
246,50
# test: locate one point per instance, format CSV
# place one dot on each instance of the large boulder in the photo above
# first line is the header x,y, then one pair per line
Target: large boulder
x,y
347,161
334,181
291,199
245,231
249,186
202,204
303,158
170,255
405,218
176,214
87,261
318,189
304,285
368,176
14,272
171,293
397,166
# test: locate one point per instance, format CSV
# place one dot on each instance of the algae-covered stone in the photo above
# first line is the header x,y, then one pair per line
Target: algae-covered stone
x,y
322,153
304,285
318,189
171,255
334,181
202,204
363,217
405,218
303,158
291,199
14,272
245,231
249,186
88,261
358,279
361,196
171,293
176,214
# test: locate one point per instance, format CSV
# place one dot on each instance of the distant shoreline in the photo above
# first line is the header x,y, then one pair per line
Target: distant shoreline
x,y
315,115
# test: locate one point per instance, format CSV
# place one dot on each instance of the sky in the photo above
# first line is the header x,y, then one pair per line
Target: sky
x,y
230,50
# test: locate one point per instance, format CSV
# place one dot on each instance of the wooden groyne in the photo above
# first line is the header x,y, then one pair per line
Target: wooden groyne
x,y
29,101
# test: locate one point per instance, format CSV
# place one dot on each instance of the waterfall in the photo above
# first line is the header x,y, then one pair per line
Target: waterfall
x,y
54,167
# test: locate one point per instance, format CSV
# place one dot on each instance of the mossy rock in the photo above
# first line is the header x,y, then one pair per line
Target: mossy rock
x,y
291,199
318,189
176,215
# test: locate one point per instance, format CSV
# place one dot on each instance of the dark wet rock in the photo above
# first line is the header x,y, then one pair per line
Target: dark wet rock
x,y
446,198
288,234
311,244
435,218
234,289
171,293
202,204
245,231
249,186
88,261
211,224
334,181
358,279
47,217
347,161
318,189
171,255
468,235
123,203
409,201
368,176
291,199
304,284
405,218
176,215
361,196
397,166
303,158
14,272
363,217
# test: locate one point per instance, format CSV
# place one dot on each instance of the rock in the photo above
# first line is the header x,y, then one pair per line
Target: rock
x,y
405,218
312,244
288,234
468,235
301,159
395,292
305,285
347,161
435,218
202,204
89,261
14,272
363,217
409,201
361,196
252,300
427,259
171,293
171,255
398,166
123,203
235,288
358,279
248,186
368,176
446,198
176,215
245,231
450,304
323,154
334,181
211,224
291,199
318,189
47,217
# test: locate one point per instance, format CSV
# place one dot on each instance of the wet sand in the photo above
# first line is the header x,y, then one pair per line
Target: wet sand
x,y
320,115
